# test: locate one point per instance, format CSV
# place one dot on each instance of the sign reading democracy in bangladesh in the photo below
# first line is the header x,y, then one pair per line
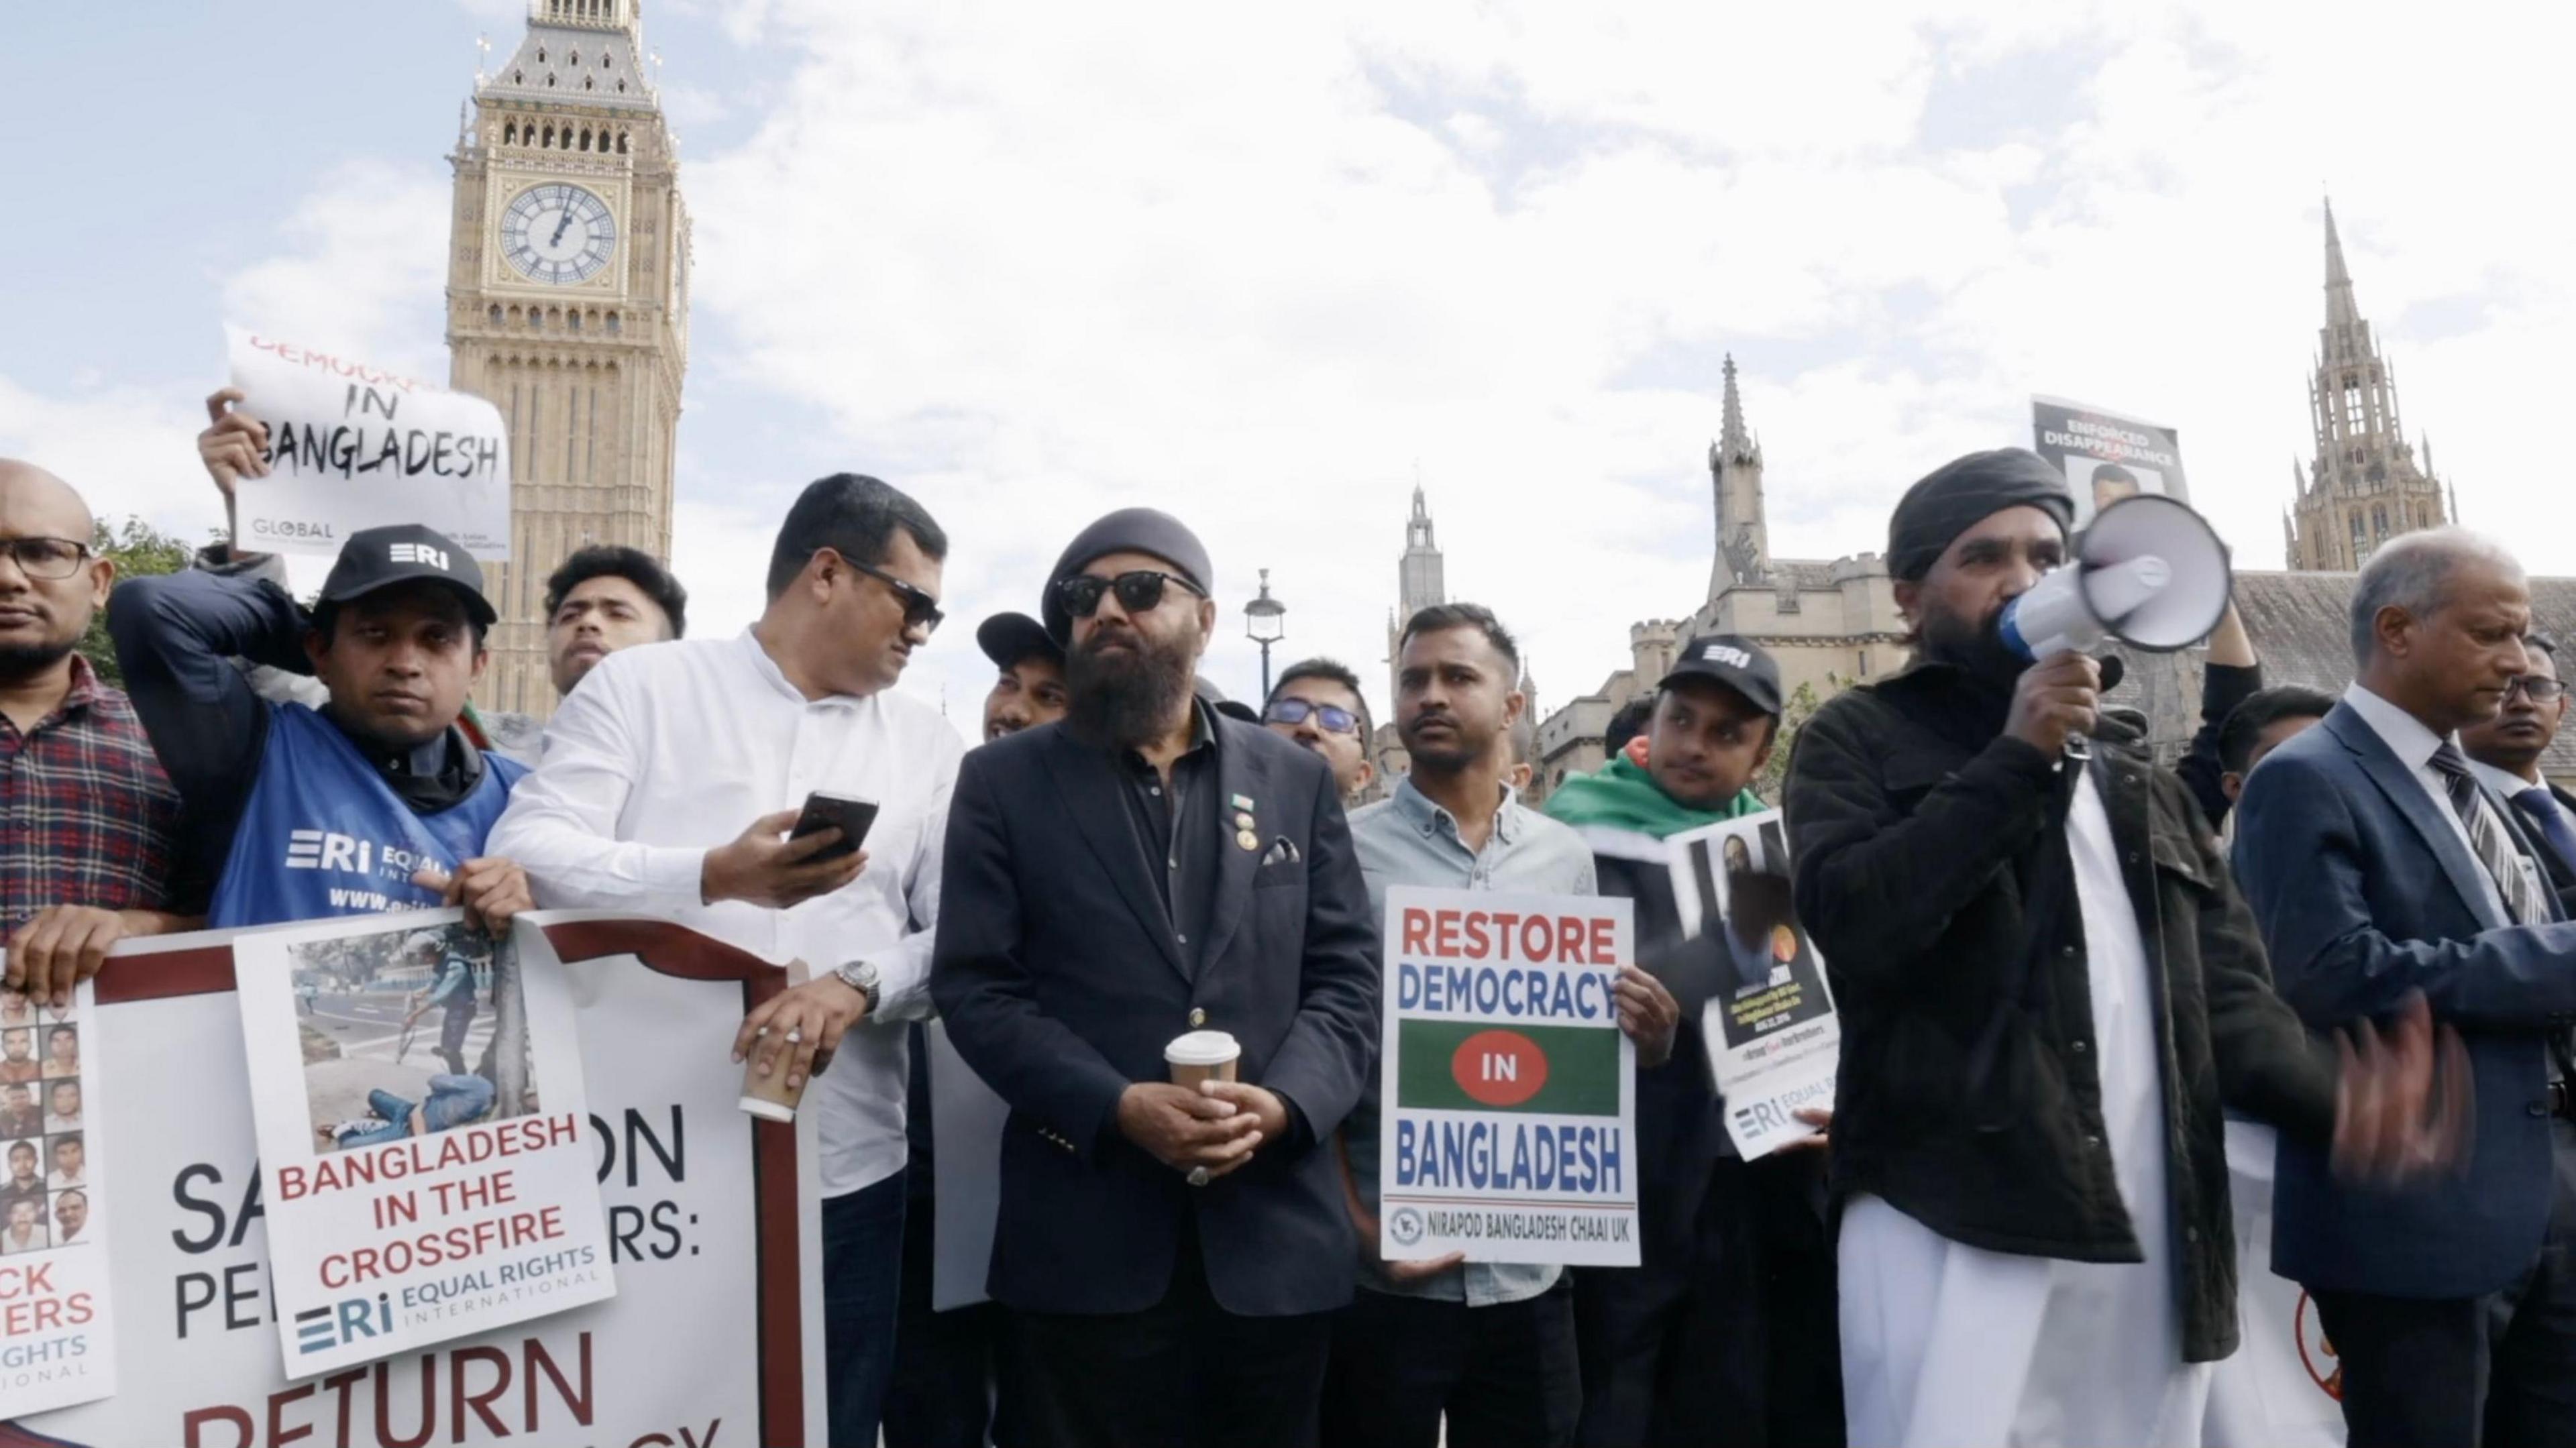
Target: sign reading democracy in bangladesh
x,y
1509,1129
352,445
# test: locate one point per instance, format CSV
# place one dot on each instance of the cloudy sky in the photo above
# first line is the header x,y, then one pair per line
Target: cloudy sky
x,y
1267,267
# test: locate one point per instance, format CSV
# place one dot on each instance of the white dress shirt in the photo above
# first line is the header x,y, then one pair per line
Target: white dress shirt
x,y
2413,743
670,749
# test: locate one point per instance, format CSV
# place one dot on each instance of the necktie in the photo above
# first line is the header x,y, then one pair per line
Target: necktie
x,y
2488,838
2551,822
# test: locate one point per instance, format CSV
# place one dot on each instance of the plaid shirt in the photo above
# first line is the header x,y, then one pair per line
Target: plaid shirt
x,y
92,819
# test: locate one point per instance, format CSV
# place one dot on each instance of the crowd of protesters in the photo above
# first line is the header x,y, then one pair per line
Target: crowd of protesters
x,y
2059,967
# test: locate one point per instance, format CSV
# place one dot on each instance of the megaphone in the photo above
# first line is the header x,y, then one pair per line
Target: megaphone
x,y
2149,573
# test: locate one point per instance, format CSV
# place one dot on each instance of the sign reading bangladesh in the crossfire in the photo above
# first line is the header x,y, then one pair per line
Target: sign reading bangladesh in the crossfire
x,y
1509,1125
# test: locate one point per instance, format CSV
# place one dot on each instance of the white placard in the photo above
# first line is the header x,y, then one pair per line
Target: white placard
x,y
1773,1038
352,445
1507,1125
57,1317
715,1336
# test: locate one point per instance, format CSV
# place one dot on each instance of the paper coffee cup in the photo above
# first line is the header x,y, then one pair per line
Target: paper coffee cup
x,y
767,1097
1202,1056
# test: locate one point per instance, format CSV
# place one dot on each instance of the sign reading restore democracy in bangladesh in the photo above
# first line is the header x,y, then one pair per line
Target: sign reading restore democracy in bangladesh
x,y
1509,1125
352,445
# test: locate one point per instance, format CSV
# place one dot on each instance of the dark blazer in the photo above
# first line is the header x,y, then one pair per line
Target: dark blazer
x,y
2364,893
1060,977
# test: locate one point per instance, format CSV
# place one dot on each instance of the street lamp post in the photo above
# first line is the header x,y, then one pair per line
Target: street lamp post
x,y
1265,623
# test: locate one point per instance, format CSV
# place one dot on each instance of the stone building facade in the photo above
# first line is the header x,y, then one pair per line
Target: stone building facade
x,y
568,307
1828,623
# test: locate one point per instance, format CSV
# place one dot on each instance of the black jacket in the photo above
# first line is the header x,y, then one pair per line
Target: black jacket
x,y
1914,823
1061,977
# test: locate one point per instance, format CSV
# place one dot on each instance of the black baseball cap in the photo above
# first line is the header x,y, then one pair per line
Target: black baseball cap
x,y
1738,663
375,558
1007,638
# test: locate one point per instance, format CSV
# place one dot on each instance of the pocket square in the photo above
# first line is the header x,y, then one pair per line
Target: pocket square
x,y
1282,851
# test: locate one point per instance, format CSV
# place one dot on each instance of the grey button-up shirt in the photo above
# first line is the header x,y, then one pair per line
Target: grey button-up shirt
x,y
1408,840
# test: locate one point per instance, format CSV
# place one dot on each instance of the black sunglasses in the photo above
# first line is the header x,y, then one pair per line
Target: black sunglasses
x,y
920,610
1294,711
1138,592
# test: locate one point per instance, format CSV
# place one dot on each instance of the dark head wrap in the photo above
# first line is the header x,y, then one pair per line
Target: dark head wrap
x,y
1964,492
1129,530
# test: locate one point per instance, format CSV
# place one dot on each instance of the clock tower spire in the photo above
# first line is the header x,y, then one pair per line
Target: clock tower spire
x,y
568,306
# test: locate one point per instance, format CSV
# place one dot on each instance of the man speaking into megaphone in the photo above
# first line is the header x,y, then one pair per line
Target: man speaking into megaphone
x,y
2048,987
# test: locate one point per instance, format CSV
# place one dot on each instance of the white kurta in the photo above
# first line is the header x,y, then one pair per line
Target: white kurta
x,y
1946,1344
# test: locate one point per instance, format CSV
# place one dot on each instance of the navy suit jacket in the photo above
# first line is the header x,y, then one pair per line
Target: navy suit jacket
x,y
2364,893
1060,977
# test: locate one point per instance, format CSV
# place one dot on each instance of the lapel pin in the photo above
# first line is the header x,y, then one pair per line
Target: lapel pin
x,y
1243,802
1248,840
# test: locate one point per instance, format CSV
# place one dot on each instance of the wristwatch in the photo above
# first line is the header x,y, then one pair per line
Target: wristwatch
x,y
860,976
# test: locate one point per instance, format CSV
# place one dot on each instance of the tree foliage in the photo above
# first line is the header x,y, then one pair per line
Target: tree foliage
x,y
140,551
1800,706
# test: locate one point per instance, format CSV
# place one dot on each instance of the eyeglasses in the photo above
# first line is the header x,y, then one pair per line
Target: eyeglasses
x,y
45,557
2537,689
1138,592
1295,711
920,610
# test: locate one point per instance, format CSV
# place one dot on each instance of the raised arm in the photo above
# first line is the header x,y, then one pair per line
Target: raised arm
x,y
176,637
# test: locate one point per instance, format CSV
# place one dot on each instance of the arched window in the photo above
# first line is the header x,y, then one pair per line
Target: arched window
x,y
541,55
493,318
575,60
536,319
585,131
621,136
550,138
615,326
2379,521
585,85
509,133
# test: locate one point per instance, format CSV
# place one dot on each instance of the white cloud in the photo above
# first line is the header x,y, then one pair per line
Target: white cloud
x,y
364,272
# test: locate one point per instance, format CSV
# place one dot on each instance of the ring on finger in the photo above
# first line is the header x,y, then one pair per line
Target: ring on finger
x,y
796,1037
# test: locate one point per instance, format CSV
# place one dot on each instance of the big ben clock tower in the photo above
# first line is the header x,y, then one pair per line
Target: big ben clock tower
x,y
568,307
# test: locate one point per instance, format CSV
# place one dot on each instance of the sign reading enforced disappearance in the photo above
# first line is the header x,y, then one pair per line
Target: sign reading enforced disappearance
x,y
2105,456
714,1336
1509,1122
352,445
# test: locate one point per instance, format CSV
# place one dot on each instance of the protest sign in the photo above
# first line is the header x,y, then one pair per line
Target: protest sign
x,y
1510,1103
57,1321
1773,1040
416,1200
715,1336
2105,456
352,445
2283,1387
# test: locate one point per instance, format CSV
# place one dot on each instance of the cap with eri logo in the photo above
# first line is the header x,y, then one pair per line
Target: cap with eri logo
x,y
375,558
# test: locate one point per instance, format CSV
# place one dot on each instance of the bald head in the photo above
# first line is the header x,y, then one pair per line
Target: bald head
x,y
39,497
50,583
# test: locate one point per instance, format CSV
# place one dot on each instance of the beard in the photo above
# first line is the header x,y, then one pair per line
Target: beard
x,y
19,661
1126,697
1976,648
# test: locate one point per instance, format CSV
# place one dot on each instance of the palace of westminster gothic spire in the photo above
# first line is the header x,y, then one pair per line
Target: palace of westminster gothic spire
x,y
2364,487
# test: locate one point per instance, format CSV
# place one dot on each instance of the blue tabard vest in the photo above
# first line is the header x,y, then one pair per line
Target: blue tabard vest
x,y
324,835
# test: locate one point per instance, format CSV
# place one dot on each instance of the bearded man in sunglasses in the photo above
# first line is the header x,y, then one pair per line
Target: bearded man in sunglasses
x,y
664,752
1146,868
1317,704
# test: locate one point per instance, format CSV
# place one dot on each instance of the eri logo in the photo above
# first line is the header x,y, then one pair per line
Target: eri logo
x,y
1405,1226
2316,1353
1726,654
417,553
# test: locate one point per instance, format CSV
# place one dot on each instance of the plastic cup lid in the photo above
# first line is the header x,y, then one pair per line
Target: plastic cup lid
x,y
1202,1048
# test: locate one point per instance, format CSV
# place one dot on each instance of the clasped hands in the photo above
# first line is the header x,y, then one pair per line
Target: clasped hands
x,y
1213,1129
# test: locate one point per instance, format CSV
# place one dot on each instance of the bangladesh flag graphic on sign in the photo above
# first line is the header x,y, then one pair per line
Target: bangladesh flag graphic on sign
x,y
1507,1093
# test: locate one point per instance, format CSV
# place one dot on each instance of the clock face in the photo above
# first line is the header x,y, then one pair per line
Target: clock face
x,y
558,233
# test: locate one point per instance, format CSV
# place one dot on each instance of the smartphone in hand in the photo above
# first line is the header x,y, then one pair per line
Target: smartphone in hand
x,y
826,811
